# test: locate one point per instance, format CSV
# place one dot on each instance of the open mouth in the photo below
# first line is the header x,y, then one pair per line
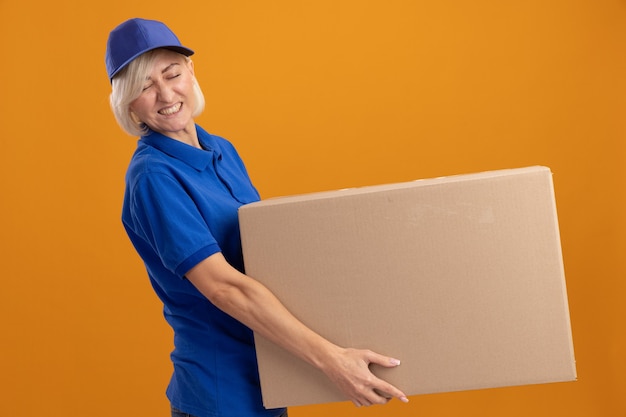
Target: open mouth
x,y
171,110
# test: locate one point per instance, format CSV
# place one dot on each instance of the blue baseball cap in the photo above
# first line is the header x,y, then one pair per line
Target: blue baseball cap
x,y
135,37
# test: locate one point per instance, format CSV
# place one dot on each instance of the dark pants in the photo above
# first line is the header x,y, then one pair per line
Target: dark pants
x,y
178,413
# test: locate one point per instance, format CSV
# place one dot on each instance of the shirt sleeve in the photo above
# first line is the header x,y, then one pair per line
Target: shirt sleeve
x,y
166,217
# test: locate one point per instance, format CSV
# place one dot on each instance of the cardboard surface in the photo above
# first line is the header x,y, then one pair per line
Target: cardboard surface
x,y
460,277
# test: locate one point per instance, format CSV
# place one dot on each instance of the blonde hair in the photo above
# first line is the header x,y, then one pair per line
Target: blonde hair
x,y
128,84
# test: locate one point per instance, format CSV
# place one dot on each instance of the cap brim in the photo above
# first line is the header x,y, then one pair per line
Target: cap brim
x,y
176,48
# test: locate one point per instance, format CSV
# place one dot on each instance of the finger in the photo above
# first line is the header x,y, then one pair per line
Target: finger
x,y
365,402
362,401
387,391
382,398
391,393
373,399
382,360
382,394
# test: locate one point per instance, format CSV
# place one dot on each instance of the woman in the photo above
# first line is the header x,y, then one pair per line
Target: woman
x,y
183,189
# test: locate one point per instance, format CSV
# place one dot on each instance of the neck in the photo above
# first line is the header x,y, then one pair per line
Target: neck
x,y
188,135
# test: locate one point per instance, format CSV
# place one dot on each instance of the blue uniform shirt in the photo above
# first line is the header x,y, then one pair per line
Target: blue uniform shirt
x,y
180,207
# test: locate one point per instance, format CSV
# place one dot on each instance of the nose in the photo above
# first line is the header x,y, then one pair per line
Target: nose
x,y
165,92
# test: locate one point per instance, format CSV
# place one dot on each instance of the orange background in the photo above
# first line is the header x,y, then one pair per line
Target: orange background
x,y
316,95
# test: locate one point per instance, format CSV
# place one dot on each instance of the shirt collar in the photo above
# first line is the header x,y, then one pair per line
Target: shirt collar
x,y
196,158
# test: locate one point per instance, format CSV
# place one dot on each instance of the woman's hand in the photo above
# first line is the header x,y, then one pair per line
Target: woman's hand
x,y
349,370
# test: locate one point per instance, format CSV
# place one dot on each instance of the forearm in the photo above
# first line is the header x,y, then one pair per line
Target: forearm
x,y
257,307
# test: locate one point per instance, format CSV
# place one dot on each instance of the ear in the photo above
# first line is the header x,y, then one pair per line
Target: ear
x,y
135,118
190,66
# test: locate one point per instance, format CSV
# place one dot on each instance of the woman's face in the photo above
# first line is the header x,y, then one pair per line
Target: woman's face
x,y
166,103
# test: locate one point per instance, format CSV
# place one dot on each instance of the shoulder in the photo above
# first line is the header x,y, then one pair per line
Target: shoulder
x,y
148,159
151,168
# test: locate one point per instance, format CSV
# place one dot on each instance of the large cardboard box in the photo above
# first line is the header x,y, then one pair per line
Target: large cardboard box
x,y
460,277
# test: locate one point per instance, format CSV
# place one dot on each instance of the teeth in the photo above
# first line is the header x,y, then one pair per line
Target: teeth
x,y
170,110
